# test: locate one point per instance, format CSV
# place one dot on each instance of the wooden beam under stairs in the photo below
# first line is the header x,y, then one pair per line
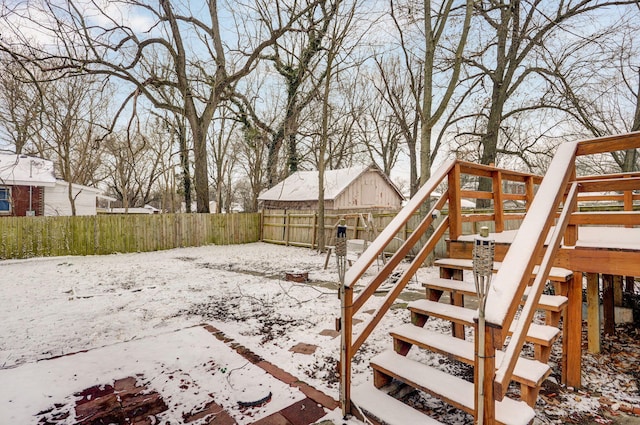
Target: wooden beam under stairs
x,y
453,390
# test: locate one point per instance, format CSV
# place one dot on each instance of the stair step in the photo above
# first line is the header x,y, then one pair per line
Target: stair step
x,y
453,390
557,274
546,302
539,334
527,372
452,313
386,408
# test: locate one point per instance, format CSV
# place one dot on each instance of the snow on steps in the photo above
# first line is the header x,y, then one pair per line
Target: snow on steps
x,y
539,334
557,274
527,371
546,302
451,389
386,408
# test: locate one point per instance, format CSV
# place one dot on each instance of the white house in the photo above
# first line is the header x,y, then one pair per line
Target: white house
x,y
28,186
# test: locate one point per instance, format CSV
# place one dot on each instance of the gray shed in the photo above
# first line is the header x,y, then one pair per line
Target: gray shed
x,y
363,187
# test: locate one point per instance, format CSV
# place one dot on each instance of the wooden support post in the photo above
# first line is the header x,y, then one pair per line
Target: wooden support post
x,y
346,300
355,226
628,201
457,299
457,330
314,231
593,312
617,290
287,221
629,282
572,333
529,192
488,359
455,217
608,310
498,207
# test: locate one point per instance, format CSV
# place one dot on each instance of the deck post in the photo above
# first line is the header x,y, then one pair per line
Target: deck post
x,y
593,312
572,333
346,322
608,305
485,415
455,216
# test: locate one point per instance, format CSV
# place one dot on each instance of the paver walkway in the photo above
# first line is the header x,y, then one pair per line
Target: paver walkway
x,y
137,398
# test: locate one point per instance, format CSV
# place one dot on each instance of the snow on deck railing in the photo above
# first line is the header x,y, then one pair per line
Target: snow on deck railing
x,y
391,230
518,264
506,366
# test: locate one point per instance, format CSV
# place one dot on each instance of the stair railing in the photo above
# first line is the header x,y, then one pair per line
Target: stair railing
x,y
510,282
514,347
351,306
508,287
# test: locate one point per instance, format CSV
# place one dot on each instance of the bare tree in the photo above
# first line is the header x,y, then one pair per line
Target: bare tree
x,y
512,35
20,104
137,159
337,51
298,60
596,82
202,67
223,156
70,120
401,91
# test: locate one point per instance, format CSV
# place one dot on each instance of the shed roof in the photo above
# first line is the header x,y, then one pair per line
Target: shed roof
x,y
23,170
303,185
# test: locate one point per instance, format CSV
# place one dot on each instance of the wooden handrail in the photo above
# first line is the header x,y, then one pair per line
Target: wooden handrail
x,y
510,282
368,257
512,353
602,185
620,142
400,285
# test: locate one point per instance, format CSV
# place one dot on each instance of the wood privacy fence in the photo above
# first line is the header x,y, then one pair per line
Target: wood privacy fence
x,y
24,237
300,228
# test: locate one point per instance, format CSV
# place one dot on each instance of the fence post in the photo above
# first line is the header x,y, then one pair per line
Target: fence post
x,y
314,230
286,228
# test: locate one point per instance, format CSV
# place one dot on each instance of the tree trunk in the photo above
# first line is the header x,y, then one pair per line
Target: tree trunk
x,y
201,168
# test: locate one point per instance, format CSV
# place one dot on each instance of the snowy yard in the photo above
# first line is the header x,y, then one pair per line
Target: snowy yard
x,y
56,306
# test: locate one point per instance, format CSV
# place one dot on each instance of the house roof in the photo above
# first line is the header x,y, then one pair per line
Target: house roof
x,y
23,170
303,185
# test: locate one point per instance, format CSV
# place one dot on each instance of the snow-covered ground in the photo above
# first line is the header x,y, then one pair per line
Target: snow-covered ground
x,y
61,305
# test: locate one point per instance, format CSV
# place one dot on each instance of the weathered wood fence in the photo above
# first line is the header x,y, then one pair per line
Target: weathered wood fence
x,y
300,228
24,237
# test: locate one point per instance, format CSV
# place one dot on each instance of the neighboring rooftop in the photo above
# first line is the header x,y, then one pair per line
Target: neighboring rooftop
x,y
24,170
303,185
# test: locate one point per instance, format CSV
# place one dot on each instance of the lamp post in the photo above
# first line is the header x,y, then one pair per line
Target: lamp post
x,y
483,254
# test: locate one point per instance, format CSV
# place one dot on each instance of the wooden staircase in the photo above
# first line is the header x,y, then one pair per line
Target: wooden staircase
x,y
527,265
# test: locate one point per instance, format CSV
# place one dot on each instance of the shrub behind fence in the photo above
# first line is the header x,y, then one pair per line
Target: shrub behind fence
x,y
24,237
